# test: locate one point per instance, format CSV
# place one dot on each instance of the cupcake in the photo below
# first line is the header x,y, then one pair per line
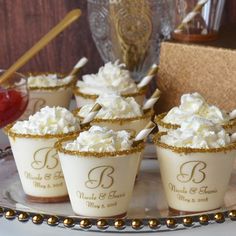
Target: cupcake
x,y
32,142
117,113
112,77
99,168
196,162
48,89
194,105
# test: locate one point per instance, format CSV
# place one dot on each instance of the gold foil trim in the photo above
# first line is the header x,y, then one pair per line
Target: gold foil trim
x,y
156,140
77,92
60,148
159,121
60,76
148,114
12,134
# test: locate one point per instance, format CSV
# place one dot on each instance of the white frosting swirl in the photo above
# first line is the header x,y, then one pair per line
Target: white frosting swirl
x,y
194,104
197,132
112,77
114,106
101,139
47,80
49,120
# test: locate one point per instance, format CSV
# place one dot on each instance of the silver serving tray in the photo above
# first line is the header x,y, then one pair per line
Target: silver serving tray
x,y
148,210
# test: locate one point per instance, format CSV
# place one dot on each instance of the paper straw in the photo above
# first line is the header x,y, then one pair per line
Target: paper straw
x,y
232,114
233,137
77,67
142,135
152,100
146,80
191,15
96,108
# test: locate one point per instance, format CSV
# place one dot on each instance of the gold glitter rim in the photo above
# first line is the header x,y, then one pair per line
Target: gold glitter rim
x,y
159,121
58,146
59,75
77,92
12,134
156,140
146,115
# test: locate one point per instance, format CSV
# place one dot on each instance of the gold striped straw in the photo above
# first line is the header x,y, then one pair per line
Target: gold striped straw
x,y
143,134
152,100
146,80
96,108
191,15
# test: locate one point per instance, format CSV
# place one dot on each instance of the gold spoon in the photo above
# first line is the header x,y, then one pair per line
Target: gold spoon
x,y
65,22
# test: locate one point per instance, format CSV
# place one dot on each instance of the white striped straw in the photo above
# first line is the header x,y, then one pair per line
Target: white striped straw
x,y
191,15
152,100
81,63
232,114
233,137
142,135
77,67
96,108
146,80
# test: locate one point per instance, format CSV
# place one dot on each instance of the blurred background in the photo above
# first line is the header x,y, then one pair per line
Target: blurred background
x,y
23,22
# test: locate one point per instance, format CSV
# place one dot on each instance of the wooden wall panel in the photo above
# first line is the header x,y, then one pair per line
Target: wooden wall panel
x,y
230,13
23,22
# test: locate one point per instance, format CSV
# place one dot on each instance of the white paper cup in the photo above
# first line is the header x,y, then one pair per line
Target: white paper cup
x,y
195,180
230,126
48,96
134,124
39,167
84,99
99,184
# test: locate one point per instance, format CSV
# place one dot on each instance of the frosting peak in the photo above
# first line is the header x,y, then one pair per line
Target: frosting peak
x,y
49,120
47,80
195,105
101,139
197,132
112,77
114,106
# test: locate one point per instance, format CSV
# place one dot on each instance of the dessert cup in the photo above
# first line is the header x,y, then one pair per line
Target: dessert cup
x,y
134,124
84,99
38,166
194,179
59,95
100,184
230,126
